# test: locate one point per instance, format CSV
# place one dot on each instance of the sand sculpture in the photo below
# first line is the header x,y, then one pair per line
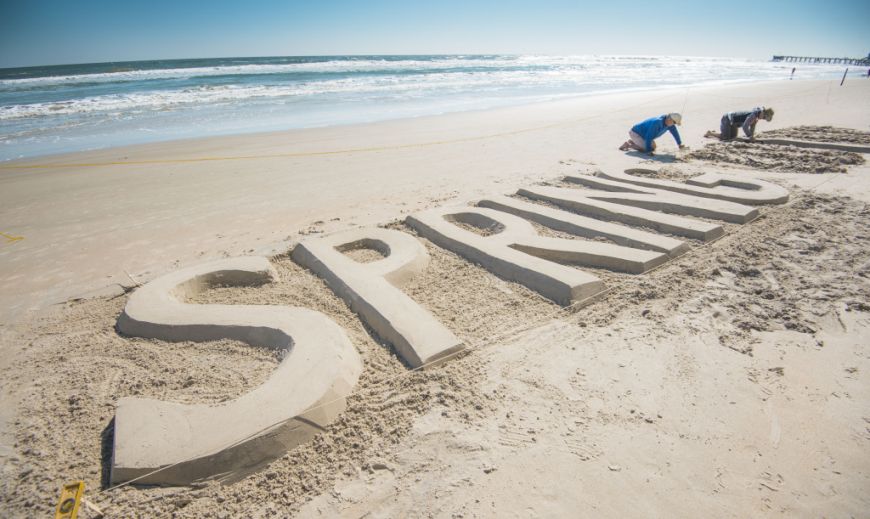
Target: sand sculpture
x,y
838,146
577,201
664,201
626,198
370,289
516,252
229,440
586,227
308,389
732,188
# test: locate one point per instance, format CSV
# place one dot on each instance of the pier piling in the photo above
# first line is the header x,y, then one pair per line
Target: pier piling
x,y
836,61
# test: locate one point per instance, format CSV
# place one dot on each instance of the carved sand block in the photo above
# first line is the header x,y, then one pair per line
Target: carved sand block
x,y
732,188
371,289
515,251
586,227
230,440
839,146
576,200
665,201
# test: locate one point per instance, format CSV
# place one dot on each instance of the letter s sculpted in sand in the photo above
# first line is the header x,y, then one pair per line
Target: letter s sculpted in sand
x,y
230,440
370,289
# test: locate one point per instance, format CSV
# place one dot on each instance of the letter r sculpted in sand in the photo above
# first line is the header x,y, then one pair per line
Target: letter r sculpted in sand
x,y
514,251
227,441
371,289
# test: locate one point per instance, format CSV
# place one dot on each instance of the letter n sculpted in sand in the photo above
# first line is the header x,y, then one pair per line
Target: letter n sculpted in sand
x,y
511,248
229,440
370,289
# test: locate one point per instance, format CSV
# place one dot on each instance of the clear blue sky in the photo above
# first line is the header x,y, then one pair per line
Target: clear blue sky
x,y
44,32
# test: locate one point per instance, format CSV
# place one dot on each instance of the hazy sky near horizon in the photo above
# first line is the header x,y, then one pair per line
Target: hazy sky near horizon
x,y
48,32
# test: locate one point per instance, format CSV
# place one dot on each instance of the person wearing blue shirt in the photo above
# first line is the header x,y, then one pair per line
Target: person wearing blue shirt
x,y
643,134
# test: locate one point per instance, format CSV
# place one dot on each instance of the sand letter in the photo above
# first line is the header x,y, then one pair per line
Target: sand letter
x,y
514,251
370,289
665,201
732,188
586,227
587,202
232,439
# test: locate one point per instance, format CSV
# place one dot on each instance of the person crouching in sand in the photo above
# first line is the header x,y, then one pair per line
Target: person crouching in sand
x,y
643,134
733,121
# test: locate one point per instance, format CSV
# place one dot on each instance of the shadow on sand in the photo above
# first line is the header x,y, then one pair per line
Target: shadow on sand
x,y
664,158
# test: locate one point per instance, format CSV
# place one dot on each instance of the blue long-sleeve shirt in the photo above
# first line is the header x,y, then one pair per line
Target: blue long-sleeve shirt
x,y
653,128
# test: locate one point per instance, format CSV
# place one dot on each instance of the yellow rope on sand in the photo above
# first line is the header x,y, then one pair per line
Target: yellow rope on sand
x,y
10,238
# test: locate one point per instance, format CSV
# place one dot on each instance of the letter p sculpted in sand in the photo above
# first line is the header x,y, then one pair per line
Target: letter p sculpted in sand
x,y
371,289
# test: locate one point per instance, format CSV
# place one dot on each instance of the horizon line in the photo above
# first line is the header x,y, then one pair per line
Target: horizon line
x,y
340,55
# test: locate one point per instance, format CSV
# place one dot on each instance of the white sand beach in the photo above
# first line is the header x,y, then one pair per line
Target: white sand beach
x,y
731,382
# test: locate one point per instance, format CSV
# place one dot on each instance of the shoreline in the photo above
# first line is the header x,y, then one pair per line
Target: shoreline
x,y
109,222
567,98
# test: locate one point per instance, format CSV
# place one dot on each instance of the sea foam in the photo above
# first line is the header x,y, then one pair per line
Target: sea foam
x,y
66,108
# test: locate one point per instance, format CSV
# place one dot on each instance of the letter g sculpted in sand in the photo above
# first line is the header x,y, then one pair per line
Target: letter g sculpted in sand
x,y
229,440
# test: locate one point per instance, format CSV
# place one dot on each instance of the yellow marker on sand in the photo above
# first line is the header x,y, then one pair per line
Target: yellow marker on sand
x,y
10,238
70,500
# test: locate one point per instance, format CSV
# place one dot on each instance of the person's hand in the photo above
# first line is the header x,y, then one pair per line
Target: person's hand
x,y
651,153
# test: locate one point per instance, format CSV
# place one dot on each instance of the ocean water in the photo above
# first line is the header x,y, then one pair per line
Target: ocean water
x,y
45,110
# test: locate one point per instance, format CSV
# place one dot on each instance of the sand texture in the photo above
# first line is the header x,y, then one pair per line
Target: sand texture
x,y
819,134
729,382
775,157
